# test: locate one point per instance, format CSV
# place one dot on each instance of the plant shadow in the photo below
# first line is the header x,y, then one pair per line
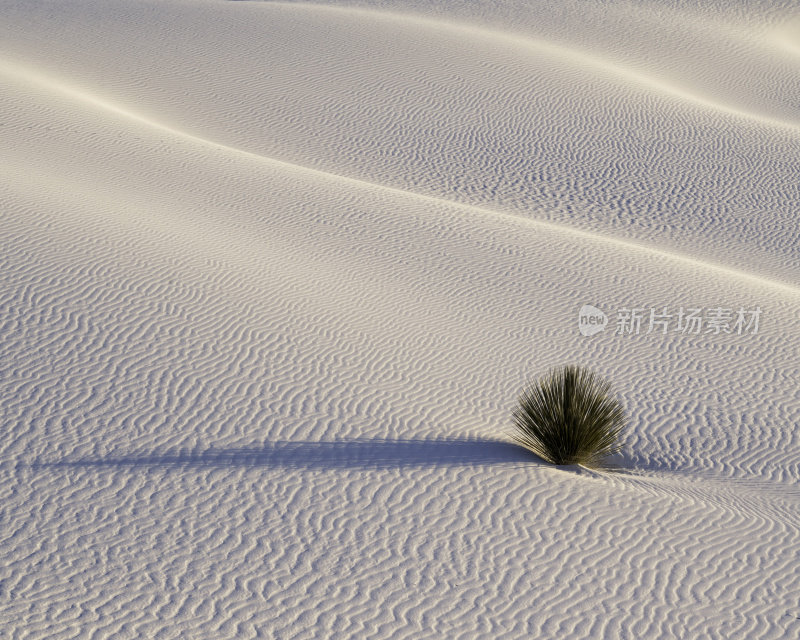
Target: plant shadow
x,y
336,454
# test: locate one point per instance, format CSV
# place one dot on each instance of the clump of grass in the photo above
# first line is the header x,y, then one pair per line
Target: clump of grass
x,y
569,416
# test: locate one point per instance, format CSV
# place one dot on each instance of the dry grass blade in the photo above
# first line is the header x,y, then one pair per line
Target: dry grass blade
x,y
569,416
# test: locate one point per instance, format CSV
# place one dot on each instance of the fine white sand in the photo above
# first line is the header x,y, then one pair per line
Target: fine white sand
x,y
272,276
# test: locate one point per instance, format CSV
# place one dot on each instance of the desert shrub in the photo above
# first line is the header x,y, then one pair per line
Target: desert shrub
x,y
569,416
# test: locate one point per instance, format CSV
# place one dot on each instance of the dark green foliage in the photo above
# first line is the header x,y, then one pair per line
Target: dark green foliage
x,y
569,416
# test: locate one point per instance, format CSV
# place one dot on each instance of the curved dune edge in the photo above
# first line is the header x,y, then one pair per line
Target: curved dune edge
x,y
20,73
637,173
569,54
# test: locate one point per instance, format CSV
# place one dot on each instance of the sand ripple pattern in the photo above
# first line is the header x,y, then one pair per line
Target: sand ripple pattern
x,y
272,275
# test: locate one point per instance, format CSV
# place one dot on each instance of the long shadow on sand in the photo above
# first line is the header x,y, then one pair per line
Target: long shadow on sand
x,y
338,454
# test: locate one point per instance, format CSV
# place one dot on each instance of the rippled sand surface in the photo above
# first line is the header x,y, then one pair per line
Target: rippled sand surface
x,y
273,274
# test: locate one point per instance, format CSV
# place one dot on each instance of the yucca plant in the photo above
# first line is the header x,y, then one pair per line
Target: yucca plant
x,y
569,416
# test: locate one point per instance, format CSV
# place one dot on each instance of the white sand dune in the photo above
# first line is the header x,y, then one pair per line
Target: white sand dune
x,y
273,274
